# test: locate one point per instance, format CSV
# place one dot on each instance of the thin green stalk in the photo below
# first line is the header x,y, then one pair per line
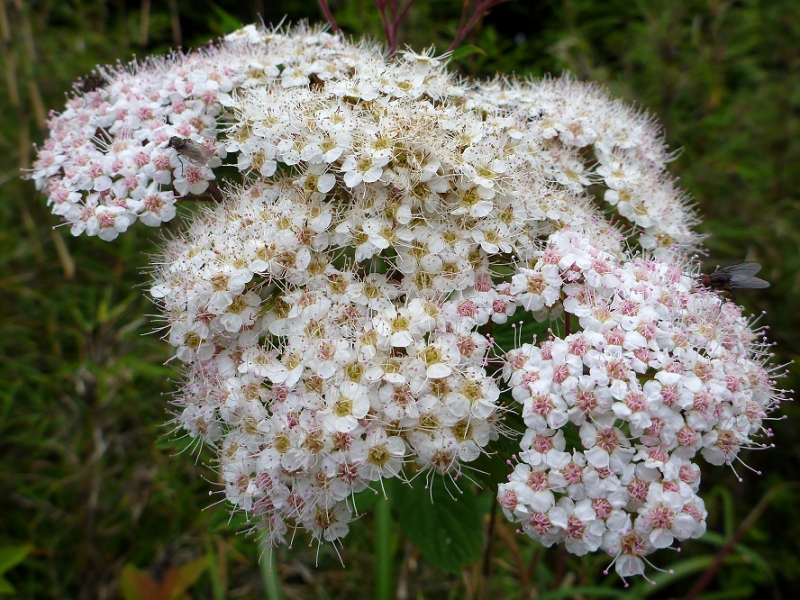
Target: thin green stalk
x,y
217,591
269,573
383,550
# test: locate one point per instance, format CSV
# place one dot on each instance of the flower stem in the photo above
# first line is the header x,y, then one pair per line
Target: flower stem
x,y
269,573
217,591
326,10
383,550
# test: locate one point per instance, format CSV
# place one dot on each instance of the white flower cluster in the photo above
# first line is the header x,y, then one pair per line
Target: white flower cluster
x,y
309,100
588,138
316,380
108,160
331,314
616,412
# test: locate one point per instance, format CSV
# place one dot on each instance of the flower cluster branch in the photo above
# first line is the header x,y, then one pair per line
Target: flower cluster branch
x,y
394,12
480,8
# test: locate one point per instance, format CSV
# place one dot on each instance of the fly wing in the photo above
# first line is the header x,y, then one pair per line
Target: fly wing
x,y
752,282
742,275
197,153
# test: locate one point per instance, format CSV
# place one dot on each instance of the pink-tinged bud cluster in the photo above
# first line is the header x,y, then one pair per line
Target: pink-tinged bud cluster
x,y
107,162
657,372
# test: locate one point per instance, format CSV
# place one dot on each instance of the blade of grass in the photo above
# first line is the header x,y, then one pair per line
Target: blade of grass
x,y
269,574
383,550
218,593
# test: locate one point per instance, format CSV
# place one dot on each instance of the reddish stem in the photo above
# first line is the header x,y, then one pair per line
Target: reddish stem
x,y
480,10
387,29
391,20
709,574
403,14
326,10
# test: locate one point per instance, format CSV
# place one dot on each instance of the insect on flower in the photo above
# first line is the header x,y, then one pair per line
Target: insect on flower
x,y
740,275
90,83
197,153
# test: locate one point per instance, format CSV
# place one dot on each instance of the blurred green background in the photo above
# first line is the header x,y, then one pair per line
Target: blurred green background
x,y
94,494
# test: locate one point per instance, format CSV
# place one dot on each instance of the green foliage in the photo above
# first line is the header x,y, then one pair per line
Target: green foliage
x,y
443,521
97,492
464,51
10,556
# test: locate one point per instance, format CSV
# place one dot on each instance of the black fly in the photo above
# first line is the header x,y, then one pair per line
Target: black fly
x,y
197,153
740,275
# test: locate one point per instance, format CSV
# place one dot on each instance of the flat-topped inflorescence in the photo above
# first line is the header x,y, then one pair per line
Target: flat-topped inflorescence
x,y
332,312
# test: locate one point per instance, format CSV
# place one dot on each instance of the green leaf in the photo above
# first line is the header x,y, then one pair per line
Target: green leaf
x,y
491,469
184,443
463,51
5,586
365,500
586,591
228,22
750,556
448,530
221,520
188,574
12,555
678,570
729,593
